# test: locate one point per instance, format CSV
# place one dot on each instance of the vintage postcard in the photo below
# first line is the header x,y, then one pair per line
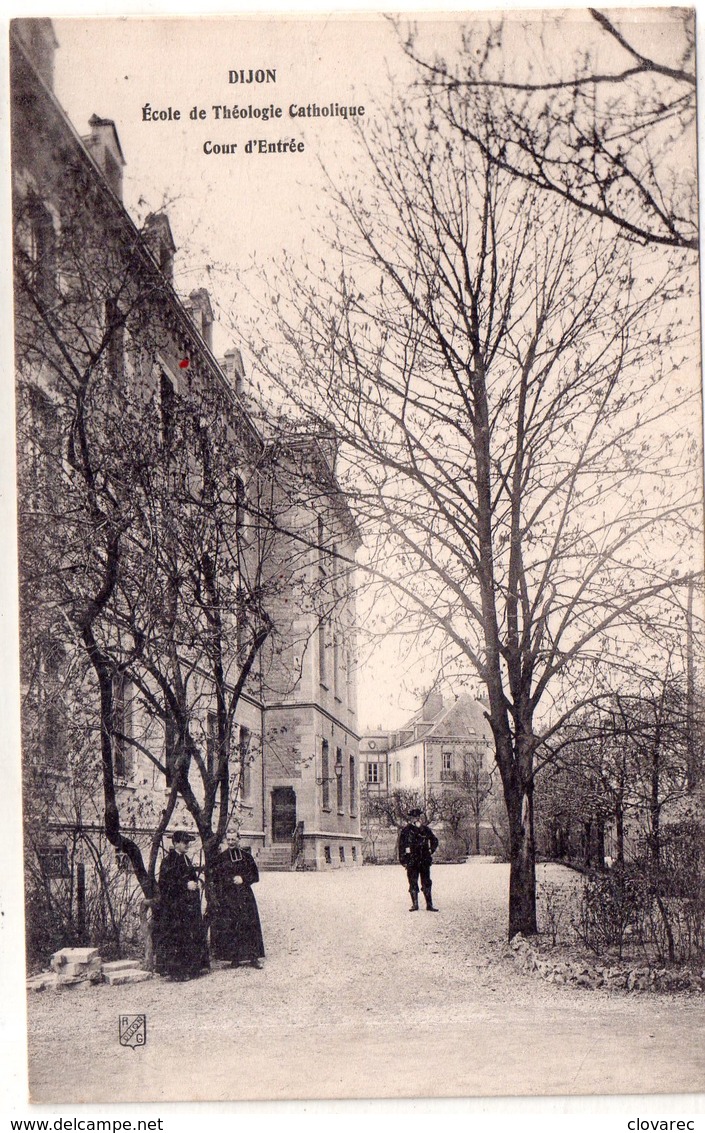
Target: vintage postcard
x,y
360,540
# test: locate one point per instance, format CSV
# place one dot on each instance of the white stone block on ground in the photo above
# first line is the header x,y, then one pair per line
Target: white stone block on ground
x,y
42,981
77,965
66,956
121,966
80,971
131,976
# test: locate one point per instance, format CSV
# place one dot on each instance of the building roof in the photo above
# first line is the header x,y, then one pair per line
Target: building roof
x,y
461,719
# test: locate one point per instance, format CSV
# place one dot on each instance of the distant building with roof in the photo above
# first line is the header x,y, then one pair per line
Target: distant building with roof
x,y
434,755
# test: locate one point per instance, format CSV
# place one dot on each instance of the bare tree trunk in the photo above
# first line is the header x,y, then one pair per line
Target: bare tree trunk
x,y
693,769
619,820
600,850
81,902
522,875
146,925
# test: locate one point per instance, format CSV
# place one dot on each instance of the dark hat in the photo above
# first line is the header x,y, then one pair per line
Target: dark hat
x,y
415,813
183,836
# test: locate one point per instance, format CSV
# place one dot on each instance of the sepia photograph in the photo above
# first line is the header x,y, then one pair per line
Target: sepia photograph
x,y
359,490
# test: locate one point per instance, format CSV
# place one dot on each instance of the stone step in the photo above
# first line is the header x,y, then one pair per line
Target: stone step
x,y
74,978
275,858
121,966
42,982
128,976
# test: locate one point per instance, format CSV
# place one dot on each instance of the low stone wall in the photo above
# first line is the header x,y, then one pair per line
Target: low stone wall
x,y
623,976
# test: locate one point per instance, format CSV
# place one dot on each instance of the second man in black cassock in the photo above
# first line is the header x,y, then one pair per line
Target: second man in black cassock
x,y
236,933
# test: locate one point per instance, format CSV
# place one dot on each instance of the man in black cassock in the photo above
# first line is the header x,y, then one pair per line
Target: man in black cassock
x,y
417,845
179,932
236,933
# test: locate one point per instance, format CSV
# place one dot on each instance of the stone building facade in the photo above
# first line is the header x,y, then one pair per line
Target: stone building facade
x,y
95,298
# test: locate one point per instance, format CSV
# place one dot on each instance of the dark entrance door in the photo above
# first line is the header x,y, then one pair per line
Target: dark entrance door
x,y
283,813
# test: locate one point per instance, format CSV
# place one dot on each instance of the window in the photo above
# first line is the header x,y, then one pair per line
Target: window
x,y
322,652
122,727
37,239
325,772
416,767
398,771
45,441
166,408
240,621
341,852
54,861
447,760
245,760
373,772
327,855
348,665
170,738
240,504
353,786
354,853
53,736
339,783
336,667
115,331
211,741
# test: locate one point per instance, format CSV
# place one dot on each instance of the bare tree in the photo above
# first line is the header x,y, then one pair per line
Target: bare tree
x,y
393,807
74,297
629,756
475,785
501,372
608,126
583,788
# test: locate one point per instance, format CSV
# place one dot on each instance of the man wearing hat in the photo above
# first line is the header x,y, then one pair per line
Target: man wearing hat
x,y
417,844
179,936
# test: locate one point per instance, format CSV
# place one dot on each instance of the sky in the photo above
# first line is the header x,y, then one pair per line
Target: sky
x,y
228,207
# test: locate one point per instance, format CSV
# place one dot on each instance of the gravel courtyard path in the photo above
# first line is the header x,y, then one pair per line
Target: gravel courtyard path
x,y
359,998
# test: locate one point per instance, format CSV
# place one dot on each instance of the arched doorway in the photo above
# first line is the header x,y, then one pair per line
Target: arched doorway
x,y
283,813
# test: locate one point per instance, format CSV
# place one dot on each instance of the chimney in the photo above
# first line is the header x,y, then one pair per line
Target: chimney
x,y
235,369
103,145
202,314
327,439
157,233
432,705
